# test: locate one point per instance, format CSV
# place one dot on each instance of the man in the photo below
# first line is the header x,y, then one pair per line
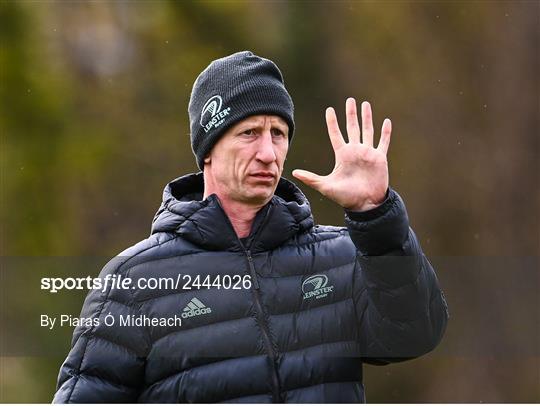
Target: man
x,y
314,302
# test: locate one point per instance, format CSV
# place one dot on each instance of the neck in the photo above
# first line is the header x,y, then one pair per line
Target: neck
x,y
241,214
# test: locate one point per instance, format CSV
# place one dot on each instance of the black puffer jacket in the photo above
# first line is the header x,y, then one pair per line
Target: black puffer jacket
x,y
322,301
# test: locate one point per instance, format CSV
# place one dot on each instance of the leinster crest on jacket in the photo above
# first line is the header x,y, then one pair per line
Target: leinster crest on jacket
x,y
316,286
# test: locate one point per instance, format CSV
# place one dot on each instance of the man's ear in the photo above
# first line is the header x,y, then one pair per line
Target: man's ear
x,y
207,159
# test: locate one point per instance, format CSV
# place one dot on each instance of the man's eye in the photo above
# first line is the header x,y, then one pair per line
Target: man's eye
x,y
248,132
277,132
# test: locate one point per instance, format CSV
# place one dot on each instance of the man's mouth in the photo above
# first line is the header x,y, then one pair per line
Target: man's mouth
x,y
264,176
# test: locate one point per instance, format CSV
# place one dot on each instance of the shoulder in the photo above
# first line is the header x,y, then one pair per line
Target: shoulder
x,y
158,246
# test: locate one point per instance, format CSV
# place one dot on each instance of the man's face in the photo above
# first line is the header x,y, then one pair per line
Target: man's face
x,y
246,163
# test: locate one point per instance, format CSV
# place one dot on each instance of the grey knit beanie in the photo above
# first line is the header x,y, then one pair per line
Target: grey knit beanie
x,y
233,88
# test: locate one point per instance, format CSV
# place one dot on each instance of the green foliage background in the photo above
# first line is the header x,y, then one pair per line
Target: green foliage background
x,y
94,122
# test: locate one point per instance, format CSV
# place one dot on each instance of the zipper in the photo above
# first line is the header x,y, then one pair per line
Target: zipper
x,y
260,315
252,270
276,397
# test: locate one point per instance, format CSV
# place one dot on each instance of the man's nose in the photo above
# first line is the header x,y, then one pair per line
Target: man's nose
x,y
265,151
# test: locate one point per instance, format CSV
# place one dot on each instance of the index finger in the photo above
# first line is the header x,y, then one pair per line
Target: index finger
x,y
333,129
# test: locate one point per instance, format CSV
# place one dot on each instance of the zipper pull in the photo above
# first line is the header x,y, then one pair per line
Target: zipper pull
x,y
252,270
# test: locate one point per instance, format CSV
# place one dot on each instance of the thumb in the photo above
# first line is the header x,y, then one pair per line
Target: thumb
x,y
309,178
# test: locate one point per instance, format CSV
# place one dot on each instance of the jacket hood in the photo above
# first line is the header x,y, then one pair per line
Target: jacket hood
x,y
203,222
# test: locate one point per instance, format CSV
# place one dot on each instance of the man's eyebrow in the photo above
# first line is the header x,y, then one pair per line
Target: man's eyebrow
x,y
254,123
280,125
250,123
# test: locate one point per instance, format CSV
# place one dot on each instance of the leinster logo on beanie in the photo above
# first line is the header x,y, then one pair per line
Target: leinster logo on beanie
x,y
212,115
231,89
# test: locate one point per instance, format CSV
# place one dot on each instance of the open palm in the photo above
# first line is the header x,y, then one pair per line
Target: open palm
x,y
359,180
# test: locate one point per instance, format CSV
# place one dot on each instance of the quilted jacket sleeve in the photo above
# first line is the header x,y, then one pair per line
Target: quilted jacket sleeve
x,y
105,363
401,310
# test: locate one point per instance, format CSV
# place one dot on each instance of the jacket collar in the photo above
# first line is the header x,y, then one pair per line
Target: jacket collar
x,y
203,222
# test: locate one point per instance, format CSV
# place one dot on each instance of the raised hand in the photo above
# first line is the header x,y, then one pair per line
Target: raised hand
x,y
359,180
